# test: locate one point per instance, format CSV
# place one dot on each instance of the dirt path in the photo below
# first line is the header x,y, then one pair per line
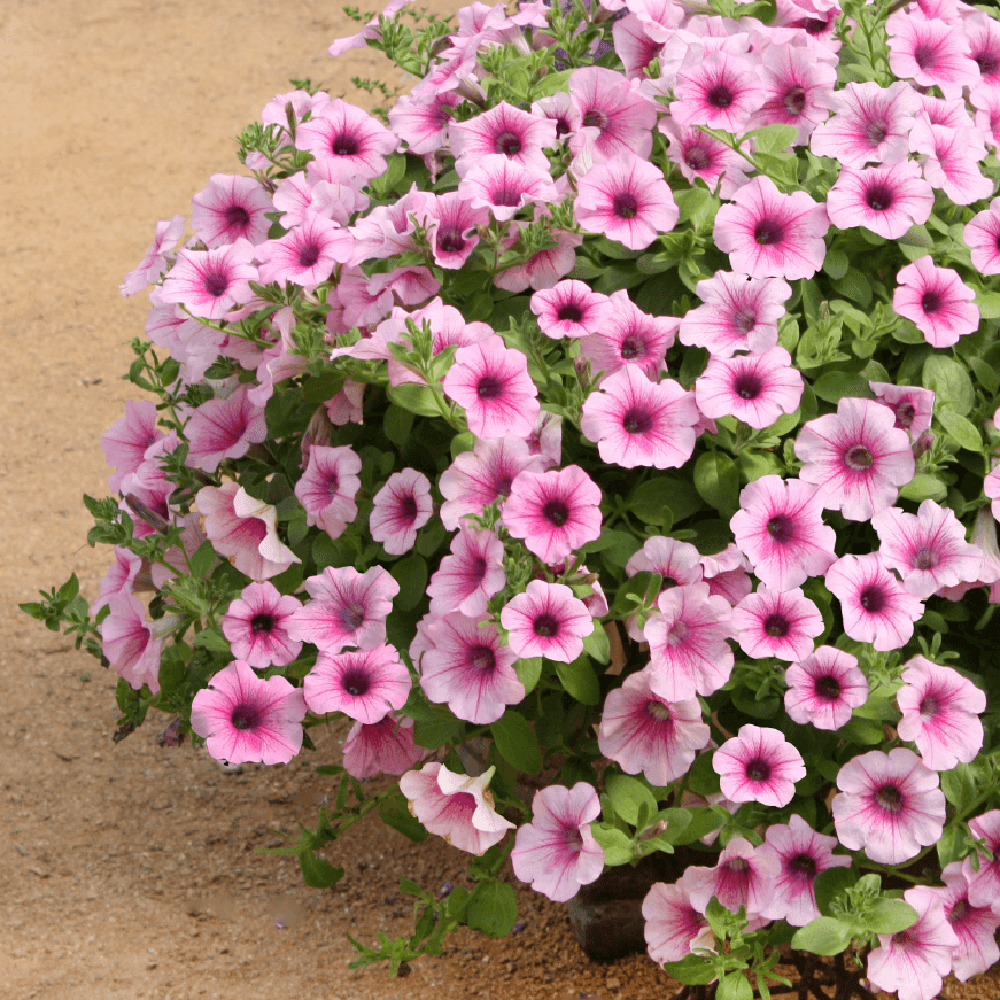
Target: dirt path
x,y
131,871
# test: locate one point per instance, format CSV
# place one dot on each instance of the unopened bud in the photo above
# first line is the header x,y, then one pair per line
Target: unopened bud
x,y
660,826
144,513
922,444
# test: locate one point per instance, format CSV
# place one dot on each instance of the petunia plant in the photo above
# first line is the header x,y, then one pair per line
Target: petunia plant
x,y
605,430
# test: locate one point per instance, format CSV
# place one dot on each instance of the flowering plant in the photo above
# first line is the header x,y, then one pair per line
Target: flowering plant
x,y
622,400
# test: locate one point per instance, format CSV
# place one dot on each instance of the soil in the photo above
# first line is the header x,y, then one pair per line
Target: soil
x,y
133,870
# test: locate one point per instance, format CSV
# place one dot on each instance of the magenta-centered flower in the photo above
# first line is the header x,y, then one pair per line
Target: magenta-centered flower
x,y
755,388
328,487
982,236
556,852
890,805
400,509
936,299
363,683
743,876
887,200
758,765
673,927
385,747
547,620
256,625
570,309
470,576
824,688
779,623
208,283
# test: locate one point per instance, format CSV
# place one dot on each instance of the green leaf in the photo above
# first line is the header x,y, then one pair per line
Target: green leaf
x,y
320,388
203,560
863,731
395,812
661,497
492,909
70,588
830,883
436,733
415,397
835,263
580,680
693,970
960,429
627,795
516,742
702,821
959,787
528,670
212,640
889,916
734,986
924,486
411,575
950,381
834,385
397,424
824,936
773,138
318,873
950,845
551,84
717,480
988,303
702,778
597,645
855,286
987,376
616,844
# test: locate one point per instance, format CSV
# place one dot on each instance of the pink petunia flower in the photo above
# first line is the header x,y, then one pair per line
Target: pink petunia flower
x,y
689,654
638,422
383,747
547,620
930,52
984,878
798,89
887,200
554,512
609,115
974,926
914,962
727,574
780,529
348,608
362,683
256,626
673,927
941,710
132,643
858,456
423,125
626,199
400,509
738,313
643,732
504,187
328,487
470,576
743,876
951,160
119,579
825,688
780,623
871,124
154,261
890,805
545,268
802,854
342,131
224,428
677,562
939,303
570,309
492,383
307,254
720,89
507,131
556,852
243,718
912,405
455,807
209,283
632,337
758,765
451,224
982,235
127,440
701,155
754,388
469,669
927,548
231,208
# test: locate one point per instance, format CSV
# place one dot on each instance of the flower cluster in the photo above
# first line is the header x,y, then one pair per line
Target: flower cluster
x,y
625,395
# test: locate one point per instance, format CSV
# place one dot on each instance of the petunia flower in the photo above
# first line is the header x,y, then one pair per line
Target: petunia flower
x,y
777,623
982,873
554,512
743,876
328,487
802,854
755,388
307,254
507,131
570,309
224,428
346,132
673,928
936,299
556,852
154,261
677,562
451,223
887,200
492,383
209,283
720,89
638,422
930,52
608,115
890,805
362,683
470,576
982,235
758,765
400,509
974,926
243,718
383,747
456,807
928,548
643,732
547,620
857,455
504,186
913,406
941,711
824,688
780,529
231,208
256,626
701,155
423,125
132,643
126,442
727,574
951,160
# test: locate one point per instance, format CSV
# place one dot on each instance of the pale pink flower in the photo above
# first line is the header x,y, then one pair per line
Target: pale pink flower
x,y
132,643
755,388
570,309
338,130
802,854
758,765
608,115
231,208
984,878
913,406
470,576
887,200
991,487
798,89
119,579
941,710
127,440
383,747
256,626
936,299
914,962
633,46
307,254
982,236
677,562
224,428
370,30
643,732
825,688
423,125
400,509
858,456
546,267
673,927
930,52
701,155
504,186
470,669
556,852
743,876
928,548
362,683
507,131
768,234
738,313
348,608
719,89
554,512
727,574
632,337
209,283
638,422
974,926
890,805
451,229
779,623
689,654
951,160
328,487
547,620
780,529
154,262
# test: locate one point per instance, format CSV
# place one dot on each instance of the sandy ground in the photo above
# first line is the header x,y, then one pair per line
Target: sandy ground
x,y
132,871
